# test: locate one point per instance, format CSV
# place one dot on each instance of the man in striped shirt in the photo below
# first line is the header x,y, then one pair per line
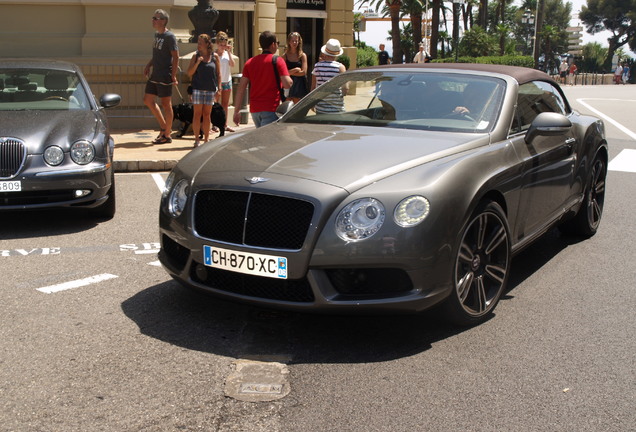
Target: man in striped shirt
x,y
323,71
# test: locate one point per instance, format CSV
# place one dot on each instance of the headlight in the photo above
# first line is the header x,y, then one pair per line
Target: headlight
x,y
53,155
82,152
168,184
360,219
178,198
411,211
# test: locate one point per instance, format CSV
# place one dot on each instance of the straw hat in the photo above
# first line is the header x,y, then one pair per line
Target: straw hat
x,y
332,48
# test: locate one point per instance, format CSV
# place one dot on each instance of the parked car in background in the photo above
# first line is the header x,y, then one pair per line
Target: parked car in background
x,y
55,147
412,186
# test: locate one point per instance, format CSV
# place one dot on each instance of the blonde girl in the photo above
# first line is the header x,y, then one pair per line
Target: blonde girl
x,y
296,61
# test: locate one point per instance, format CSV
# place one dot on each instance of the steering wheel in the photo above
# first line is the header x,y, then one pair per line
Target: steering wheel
x,y
56,98
462,115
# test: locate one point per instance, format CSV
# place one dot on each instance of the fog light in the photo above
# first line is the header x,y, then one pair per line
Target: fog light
x,y
81,193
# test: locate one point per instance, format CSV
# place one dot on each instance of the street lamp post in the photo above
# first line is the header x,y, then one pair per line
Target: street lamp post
x,y
527,19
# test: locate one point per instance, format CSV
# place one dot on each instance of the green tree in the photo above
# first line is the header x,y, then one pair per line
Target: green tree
x,y
477,43
618,17
549,34
414,9
593,57
393,9
357,20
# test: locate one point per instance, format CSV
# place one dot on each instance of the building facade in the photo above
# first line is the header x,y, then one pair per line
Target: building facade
x,y
119,31
112,39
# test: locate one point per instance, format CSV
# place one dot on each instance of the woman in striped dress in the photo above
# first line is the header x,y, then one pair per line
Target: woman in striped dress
x,y
324,70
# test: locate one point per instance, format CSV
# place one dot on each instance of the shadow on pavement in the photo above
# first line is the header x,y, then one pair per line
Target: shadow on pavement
x,y
179,316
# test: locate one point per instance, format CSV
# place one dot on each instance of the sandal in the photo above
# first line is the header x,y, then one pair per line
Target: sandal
x,y
229,129
215,129
162,140
197,143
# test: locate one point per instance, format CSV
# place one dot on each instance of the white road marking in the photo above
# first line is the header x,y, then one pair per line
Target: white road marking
x,y
76,283
161,184
605,117
145,252
155,263
625,161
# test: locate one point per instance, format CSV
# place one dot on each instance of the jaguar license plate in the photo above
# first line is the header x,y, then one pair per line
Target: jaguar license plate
x,y
10,186
245,262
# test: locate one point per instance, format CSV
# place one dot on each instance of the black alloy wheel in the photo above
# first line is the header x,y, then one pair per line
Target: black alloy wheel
x,y
588,218
481,266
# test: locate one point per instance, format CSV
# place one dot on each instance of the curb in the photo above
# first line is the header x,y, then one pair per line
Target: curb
x,y
144,165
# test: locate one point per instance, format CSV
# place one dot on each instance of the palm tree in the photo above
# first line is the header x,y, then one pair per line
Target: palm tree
x,y
393,7
414,9
503,30
549,33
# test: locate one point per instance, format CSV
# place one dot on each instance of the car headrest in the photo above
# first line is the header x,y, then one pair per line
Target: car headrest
x,y
16,81
56,82
28,87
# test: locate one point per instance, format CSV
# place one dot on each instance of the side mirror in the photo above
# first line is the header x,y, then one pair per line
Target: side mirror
x,y
284,108
548,124
109,100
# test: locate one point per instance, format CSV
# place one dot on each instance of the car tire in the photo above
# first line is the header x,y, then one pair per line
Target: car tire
x,y
482,264
107,210
588,218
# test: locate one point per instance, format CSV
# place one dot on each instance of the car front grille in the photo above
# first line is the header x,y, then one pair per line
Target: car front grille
x,y
12,155
297,291
252,219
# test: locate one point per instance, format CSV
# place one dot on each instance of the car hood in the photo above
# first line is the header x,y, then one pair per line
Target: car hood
x,y
39,129
346,157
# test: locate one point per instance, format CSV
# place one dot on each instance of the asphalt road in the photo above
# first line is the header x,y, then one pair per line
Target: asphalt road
x,y
96,337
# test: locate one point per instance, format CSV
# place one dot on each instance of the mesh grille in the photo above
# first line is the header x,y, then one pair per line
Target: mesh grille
x,y
252,219
12,154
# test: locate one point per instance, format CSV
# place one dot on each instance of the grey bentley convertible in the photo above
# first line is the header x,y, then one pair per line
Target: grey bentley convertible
x,y
391,188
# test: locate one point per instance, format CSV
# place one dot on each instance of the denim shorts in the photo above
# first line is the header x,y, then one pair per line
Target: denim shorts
x,y
226,86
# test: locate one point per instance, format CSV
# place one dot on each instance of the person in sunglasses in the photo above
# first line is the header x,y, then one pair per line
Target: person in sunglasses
x,y
164,65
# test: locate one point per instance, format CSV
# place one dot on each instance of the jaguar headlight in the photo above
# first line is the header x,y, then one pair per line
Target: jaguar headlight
x,y
360,219
411,211
178,198
53,155
82,152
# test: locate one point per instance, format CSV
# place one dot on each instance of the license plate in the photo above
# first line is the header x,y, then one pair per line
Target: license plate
x,y
245,262
10,186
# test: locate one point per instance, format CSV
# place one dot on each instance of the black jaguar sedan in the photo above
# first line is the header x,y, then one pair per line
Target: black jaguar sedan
x,y
55,148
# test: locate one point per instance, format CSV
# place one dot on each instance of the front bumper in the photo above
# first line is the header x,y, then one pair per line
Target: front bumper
x,y
58,188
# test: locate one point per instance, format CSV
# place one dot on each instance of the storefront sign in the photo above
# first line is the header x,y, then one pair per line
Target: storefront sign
x,y
318,5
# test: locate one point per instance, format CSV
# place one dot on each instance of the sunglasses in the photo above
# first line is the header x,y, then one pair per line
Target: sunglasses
x,y
154,18
222,39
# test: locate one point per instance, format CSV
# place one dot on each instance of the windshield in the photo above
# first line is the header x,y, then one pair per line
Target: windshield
x,y
407,100
40,89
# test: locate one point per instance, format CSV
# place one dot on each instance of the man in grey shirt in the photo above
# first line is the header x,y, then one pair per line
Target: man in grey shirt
x,y
164,64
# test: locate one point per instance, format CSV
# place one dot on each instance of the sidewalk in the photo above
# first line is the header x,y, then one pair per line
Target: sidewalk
x,y
134,151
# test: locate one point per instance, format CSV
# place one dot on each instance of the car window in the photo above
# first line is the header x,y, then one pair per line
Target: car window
x,y
533,99
404,100
41,89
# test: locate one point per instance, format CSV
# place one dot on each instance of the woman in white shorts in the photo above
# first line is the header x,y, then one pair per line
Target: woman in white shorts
x,y
224,51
